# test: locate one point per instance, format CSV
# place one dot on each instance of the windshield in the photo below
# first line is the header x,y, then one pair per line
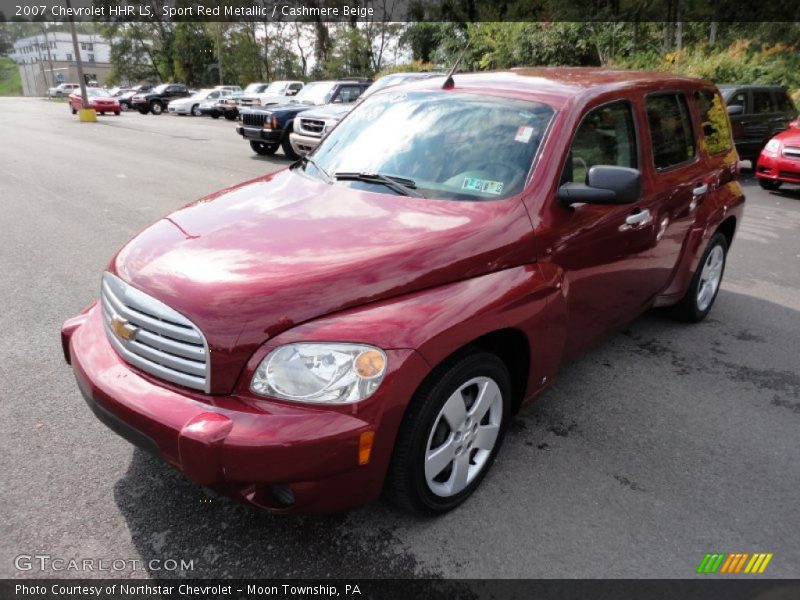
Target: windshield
x,y
160,89
97,92
254,88
276,88
314,93
450,145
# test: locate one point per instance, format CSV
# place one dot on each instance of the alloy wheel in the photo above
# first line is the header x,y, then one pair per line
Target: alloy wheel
x,y
710,277
463,436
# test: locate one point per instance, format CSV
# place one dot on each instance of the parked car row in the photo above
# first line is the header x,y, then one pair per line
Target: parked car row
x,y
294,116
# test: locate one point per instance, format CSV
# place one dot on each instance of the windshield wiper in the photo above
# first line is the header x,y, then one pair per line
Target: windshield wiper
x,y
304,160
401,185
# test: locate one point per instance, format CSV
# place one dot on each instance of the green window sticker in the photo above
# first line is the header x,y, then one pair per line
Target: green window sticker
x,y
485,186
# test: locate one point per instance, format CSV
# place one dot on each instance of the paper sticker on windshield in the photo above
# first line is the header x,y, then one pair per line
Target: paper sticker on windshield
x,y
485,186
524,134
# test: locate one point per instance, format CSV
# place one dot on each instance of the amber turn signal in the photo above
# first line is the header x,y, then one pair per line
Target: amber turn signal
x,y
365,446
370,363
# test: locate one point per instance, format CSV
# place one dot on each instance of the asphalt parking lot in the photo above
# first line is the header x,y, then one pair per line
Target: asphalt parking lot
x,y
665,442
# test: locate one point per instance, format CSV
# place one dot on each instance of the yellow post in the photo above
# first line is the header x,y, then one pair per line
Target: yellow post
x,y
85,114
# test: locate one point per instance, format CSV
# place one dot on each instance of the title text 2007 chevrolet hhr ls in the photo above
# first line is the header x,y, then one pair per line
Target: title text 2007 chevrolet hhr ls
x,y
369,319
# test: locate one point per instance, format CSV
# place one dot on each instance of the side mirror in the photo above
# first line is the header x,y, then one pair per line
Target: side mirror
x,y
291,92
605,184
735,109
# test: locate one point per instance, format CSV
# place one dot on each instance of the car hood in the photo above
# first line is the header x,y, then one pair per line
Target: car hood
x,y
789,137
269,97
252,261
329,111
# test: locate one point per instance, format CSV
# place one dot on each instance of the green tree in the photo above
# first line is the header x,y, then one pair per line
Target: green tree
x,y
193,54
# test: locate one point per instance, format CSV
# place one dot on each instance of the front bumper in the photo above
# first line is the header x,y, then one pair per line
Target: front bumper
x,y
303,144
253,451
272,136
179,110
778,168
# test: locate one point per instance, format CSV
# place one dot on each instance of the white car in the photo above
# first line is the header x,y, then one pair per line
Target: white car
x,y
63,89
278,92
191,104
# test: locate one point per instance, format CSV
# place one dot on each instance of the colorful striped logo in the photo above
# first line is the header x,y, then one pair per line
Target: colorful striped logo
x,y
739,562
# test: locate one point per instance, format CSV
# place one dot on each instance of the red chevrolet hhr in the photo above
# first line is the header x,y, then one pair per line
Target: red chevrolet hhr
x,y
370,318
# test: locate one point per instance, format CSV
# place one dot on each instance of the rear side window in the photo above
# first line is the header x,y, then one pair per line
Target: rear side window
x,y
671,135
716,131
762,103
605,137
784,102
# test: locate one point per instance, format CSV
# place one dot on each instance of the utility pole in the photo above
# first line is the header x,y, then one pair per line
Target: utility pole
x,y
49,56
86,113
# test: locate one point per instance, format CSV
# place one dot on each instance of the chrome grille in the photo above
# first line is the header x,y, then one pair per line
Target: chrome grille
x,y
311,126
253,119
791,152
162,342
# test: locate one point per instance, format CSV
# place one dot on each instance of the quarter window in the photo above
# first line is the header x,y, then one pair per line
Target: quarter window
x,y
671,135
784,102
716,130
606,136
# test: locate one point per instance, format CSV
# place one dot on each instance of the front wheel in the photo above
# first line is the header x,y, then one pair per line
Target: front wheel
x,y
231,116
263,148
123,106
702,292
196,111
769,184
156,108
73,109
286,144
451,434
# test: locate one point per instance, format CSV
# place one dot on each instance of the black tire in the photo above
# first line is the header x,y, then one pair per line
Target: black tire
x,y
231,116
215,115
286,144
124,107
769,184
156,107
406,484
102,112
72,108
143,111
116,113
196,111
687,309
263,148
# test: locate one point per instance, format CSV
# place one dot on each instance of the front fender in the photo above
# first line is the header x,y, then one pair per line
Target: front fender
x,y
439,321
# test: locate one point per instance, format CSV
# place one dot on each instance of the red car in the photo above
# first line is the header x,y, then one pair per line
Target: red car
x,y
98,100
779,161
370,318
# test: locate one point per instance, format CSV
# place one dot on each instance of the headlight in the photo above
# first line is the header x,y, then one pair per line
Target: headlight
x,y
772,148
321,372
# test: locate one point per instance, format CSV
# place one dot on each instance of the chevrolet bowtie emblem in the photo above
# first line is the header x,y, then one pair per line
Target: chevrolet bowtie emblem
x,y
122,329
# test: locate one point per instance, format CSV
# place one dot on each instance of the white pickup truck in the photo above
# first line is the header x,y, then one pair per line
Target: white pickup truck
x,y
278,92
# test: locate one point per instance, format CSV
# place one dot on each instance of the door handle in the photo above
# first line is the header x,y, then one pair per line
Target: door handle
x,y
700,189
636,220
